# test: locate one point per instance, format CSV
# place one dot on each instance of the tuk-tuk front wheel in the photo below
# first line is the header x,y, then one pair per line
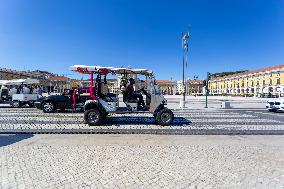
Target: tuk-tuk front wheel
x,y
93,117
164,117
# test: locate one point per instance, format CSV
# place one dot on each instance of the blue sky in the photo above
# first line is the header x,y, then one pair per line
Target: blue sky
x,y
225,35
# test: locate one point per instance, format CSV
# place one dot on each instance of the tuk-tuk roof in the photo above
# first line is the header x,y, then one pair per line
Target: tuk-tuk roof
x,y
19,81
2,82
101,69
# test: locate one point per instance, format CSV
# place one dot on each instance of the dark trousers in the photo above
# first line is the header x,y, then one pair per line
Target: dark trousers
x,y
140,97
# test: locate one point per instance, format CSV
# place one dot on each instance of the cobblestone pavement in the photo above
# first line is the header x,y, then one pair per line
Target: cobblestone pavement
x,y
186,122
141,161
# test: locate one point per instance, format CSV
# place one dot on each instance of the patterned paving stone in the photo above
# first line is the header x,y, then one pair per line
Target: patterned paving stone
x,y
141,161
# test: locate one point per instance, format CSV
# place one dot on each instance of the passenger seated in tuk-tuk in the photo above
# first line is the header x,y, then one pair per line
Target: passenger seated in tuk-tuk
x,y
26,90
131,94
13,90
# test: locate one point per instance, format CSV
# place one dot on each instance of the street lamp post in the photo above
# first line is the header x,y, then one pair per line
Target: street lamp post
x,y
185,38
206,88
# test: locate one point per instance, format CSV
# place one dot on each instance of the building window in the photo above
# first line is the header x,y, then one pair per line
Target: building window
x,y
263,82
270,81
252,83
278,81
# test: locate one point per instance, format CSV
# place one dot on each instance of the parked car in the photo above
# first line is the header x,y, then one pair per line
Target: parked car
x,y
64,101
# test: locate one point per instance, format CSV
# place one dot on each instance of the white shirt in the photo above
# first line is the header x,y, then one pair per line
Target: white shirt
x,y
26,90
13,91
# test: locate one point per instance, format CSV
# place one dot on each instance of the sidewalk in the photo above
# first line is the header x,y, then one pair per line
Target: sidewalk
x,y
230,98
216,105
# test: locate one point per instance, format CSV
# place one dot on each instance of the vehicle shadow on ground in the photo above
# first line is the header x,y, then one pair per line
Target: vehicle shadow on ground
x,y
70,111
129,120
8,139
26,107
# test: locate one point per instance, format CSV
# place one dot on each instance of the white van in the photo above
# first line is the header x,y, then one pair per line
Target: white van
x,y
270,104
278,105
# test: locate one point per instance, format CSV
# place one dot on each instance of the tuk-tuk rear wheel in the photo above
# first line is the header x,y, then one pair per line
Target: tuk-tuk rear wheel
x,y
16,104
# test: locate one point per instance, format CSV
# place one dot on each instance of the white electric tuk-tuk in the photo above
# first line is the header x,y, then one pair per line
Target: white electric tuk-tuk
x,y
19,98
101,102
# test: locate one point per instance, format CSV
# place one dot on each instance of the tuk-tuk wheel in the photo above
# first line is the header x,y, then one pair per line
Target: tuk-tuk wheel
x,y
93,117
31,104
16,104
164,117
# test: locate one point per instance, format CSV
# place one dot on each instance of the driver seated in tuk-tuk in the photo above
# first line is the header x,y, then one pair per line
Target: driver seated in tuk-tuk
x,y
131,94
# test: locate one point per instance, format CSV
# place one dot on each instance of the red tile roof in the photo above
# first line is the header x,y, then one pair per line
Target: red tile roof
x,y
196,81
59,78
163,81
7,70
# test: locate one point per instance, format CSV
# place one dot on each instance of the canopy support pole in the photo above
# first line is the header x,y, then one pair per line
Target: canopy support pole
x,y
92,86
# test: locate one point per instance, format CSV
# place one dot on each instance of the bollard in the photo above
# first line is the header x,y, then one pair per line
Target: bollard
x,y
182,103
226,105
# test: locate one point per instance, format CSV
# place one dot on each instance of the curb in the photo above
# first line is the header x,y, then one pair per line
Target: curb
x,y
146,131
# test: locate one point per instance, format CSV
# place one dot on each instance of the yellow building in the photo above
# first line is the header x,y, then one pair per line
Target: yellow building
x,y
261,82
